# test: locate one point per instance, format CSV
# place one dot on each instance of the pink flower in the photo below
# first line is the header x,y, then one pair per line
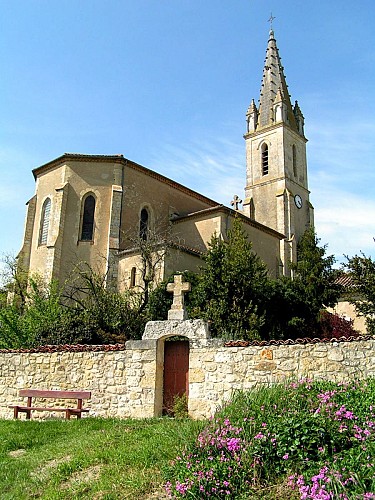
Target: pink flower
x,y
286,456
259,436
233,444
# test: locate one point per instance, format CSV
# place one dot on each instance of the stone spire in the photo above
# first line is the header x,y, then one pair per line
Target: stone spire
x,y
274,102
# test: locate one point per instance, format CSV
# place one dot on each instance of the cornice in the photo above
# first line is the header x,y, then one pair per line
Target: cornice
x,y
270,128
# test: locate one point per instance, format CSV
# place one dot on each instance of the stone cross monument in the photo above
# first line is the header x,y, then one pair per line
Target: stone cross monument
x,y
178,288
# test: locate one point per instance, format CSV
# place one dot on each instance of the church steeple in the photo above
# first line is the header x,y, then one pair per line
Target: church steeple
x,y
276,192
274,102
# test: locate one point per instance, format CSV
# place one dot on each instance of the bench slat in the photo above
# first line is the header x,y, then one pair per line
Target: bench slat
x,y
36,393
39,408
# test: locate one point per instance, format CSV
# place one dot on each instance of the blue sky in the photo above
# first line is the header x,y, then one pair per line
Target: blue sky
x,y
167,83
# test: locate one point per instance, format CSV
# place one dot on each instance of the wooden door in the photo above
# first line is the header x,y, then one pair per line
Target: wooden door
x,y
176,372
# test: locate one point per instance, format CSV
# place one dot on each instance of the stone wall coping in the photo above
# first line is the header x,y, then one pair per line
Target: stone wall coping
x,y
69,348
139,344
307,340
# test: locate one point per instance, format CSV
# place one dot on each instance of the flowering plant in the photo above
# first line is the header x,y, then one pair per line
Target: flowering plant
x,y
318,438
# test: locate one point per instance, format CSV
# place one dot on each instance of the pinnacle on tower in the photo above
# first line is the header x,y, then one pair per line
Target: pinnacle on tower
x,y
300,120
252,117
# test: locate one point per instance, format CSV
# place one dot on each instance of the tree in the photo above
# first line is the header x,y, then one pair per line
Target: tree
x,y
151,242
235,294
15,281
84,311
314,281
228,292
23,326
362,272
232,285
110,316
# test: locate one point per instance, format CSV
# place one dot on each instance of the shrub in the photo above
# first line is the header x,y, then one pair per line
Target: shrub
x,y
333,326
180,406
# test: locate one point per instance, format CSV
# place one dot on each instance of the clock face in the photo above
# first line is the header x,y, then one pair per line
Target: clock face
x,y
298,201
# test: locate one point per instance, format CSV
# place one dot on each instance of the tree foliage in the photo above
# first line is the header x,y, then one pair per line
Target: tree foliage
x,y
314,272
227,292
83,311
233,292
314,283
232,285
362,272
110,316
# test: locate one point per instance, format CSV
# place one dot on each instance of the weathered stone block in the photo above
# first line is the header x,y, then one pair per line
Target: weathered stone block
x,y
335,354
196,375
265,366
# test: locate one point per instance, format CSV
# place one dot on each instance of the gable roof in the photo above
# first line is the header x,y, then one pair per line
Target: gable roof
x,y
124,161
228,211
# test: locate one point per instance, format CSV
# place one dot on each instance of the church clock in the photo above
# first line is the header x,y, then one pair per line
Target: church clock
x,y
298,201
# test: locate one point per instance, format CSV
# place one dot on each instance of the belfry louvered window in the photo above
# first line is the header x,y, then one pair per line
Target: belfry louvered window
x,y
44,222
87,231
264,159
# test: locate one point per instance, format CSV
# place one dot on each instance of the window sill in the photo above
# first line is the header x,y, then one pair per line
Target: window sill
x,y
85,242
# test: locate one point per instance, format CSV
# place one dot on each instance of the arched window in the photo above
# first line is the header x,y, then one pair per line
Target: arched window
x,y
132,277
143,224
294,161
87,229
44,222
264,159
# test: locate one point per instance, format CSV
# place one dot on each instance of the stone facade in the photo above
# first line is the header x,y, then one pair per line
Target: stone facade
x,y
126,380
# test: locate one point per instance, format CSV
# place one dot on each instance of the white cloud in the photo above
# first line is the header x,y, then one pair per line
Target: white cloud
x,y
215,168
342,179
341,182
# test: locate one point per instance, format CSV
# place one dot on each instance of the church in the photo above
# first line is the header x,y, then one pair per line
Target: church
x,y
101,209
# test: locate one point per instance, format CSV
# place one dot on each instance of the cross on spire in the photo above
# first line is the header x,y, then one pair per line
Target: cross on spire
x,y
270,20
235,202
178,288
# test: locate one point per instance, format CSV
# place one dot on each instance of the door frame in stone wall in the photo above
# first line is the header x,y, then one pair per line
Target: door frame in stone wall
x,y
195,331
175,372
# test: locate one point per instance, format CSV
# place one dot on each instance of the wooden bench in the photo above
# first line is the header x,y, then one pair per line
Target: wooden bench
x,y
35,393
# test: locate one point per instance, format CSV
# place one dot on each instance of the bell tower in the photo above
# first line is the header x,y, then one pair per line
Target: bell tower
x,y
276,192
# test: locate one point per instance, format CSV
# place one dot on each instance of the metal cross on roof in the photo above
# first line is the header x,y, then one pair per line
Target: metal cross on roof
x,y
235,202
270,20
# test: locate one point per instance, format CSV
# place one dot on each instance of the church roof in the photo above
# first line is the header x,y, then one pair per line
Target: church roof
x,y
209,212
274,88
119,158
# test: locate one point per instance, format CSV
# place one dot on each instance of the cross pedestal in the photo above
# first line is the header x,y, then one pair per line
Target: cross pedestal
x,y
178,288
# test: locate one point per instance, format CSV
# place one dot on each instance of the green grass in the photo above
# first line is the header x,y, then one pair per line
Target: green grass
x,y
89,458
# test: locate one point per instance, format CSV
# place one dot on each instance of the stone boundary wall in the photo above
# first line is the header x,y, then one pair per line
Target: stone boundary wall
x,y
125,380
